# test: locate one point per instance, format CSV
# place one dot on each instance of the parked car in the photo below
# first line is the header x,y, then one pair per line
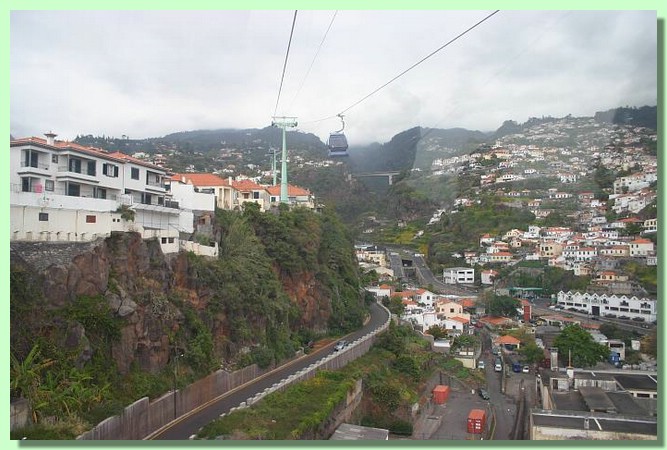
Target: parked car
x,y
340,345
526,369
481,365
483,393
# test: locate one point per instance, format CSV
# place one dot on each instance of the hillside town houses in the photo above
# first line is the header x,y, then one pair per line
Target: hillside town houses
x,y
63,191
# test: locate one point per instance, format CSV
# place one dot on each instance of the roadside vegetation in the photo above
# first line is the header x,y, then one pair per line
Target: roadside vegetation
x,y
393,374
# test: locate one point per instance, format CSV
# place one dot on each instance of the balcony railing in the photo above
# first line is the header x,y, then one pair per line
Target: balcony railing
x,y
39,189
39,166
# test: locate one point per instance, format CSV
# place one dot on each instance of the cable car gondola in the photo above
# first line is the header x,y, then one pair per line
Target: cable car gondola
x,y
338,142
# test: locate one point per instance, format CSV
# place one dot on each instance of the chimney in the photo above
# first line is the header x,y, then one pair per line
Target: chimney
x,y
50,138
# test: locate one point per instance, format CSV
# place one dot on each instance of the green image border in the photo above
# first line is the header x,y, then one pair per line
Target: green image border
x,y
12,5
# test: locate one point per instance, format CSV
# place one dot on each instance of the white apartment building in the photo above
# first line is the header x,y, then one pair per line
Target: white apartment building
x,y
610,305
634,182
65,191
650,226
458,275
641,247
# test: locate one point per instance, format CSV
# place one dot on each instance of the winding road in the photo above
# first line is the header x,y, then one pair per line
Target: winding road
x,y
188,425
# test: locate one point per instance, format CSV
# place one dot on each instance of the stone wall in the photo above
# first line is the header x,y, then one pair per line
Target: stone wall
x,y
19,413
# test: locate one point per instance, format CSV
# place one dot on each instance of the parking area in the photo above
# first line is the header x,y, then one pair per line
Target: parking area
x,y
449,420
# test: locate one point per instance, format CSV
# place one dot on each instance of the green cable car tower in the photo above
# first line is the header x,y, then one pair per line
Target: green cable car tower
x,y
284,123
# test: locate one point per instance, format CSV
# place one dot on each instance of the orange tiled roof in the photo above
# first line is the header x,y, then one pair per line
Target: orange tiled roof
x,y
493,320
507,340
293,191
246,185
467,302
459,319
201,179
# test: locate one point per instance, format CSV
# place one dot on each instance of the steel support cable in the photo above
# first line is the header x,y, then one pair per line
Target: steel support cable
x,y
411,67
282,78
313,61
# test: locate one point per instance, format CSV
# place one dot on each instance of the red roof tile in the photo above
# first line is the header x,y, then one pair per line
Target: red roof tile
x,y
246,185
292,191
507,340
200,179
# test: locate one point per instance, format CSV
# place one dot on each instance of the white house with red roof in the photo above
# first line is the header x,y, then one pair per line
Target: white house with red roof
x,y
455,323
424,297
207,183
448,309
63,191
296,196
384,290
249,191
641,247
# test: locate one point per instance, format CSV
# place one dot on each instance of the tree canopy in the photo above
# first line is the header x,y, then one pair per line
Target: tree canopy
x,y
578,343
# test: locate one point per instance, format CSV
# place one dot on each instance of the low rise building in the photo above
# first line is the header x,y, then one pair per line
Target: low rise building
x,y
641,309
458,275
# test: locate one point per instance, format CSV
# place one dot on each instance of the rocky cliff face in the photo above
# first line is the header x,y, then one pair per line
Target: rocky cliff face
x,y
145,290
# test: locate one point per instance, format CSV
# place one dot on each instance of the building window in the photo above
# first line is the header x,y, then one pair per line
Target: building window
x,y
164,240
91,219
31,158
171,240
92,168
49,185
255,195
54,159
135,173
25,184
73,190
146,199
99,192
110,170
75,165
43,217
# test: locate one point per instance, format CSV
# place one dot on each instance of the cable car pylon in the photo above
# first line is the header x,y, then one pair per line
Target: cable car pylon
x,y
284,123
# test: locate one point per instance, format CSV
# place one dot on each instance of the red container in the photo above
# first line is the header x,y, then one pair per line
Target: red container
x,y
440,394
476,421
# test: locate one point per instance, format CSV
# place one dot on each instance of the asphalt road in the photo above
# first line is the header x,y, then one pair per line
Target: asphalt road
x,y
187,425
424,273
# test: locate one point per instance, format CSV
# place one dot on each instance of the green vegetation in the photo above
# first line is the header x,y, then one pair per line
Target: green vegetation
x,y
61,356
458,232
645,275
578,343
126,213
504,306
531,353
300,409
392,372
550,279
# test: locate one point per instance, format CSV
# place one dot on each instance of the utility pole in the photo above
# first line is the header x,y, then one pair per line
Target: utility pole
x,y
284,123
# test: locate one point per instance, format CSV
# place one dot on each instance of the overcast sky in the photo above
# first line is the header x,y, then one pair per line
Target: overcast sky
x,y
150,73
